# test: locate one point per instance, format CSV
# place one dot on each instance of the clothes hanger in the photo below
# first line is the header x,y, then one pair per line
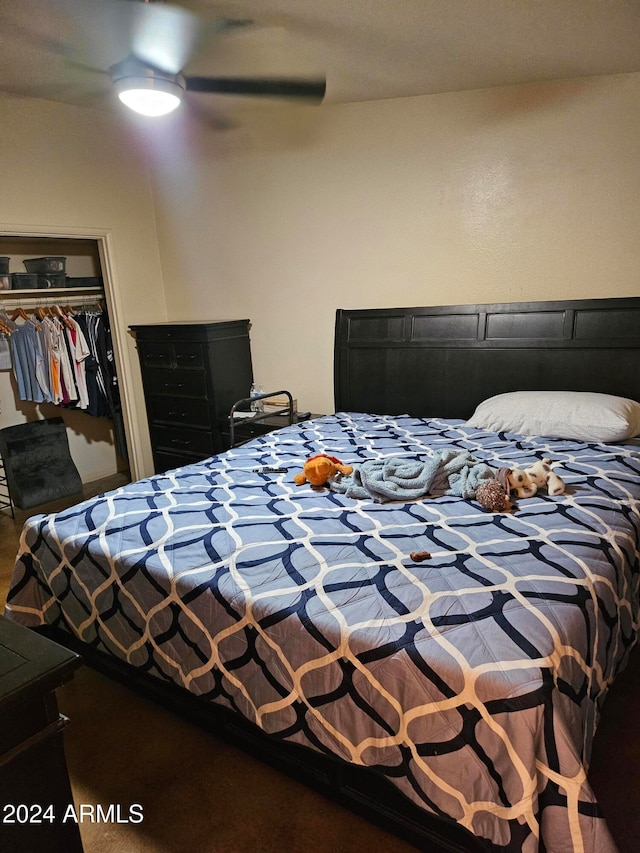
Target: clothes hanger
x,y
7,322
58,312
20,313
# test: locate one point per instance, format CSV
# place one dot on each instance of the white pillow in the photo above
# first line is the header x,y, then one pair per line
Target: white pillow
x,y
580,415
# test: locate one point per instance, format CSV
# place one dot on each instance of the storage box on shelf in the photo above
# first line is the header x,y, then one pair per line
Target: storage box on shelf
x,y
49,280
50,264
41,274
84,281
24,281
48,272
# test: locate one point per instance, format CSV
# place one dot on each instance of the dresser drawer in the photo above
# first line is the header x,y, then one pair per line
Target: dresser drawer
x,y
179,410
180,383
155,354
183,440
185,354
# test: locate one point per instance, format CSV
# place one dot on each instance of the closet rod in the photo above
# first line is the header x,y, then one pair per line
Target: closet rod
x,y
66,298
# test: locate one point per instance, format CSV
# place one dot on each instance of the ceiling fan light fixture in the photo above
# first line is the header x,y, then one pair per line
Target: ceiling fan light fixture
x,y
150,94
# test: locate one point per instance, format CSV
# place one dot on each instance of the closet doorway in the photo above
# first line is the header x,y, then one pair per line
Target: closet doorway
x,y
98,442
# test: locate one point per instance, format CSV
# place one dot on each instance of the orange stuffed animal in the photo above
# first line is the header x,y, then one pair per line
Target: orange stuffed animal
x,y
321,468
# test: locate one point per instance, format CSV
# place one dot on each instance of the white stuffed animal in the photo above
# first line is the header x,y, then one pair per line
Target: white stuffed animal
x,y
541,474
516,481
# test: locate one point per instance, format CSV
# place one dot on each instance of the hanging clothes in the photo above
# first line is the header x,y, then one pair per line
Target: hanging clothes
x,y
106,356
89,322
28,359
53,344
67,373
101,375
5,353
6,327
66,359
79,353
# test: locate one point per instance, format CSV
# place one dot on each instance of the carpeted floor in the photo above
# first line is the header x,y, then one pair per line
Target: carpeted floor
x,y
201,795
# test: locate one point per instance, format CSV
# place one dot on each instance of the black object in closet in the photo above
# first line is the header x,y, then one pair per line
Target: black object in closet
x,y
37,462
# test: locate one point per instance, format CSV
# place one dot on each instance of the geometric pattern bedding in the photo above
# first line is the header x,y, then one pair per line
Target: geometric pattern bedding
x,y
473,680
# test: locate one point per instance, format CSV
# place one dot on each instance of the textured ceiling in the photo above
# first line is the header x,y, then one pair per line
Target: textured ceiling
x,y
368,49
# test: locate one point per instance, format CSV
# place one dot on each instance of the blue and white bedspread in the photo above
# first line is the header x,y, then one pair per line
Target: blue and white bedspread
x,y
474,679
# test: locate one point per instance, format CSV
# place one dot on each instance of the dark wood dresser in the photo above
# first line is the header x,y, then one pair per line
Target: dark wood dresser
x,y
192,374
35,792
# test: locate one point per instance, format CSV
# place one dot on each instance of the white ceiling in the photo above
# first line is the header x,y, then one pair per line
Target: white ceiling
x,y
368,49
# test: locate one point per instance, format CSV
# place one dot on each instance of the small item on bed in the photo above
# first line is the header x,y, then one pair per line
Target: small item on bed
x,y
269,470
493,497
321,469
541,474
516,480
419,556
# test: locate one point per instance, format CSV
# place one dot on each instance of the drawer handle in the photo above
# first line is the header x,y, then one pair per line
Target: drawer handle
x,y
177,414
174,384
180,442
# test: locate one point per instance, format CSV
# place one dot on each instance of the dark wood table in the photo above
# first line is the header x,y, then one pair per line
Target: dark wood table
x,y
35,792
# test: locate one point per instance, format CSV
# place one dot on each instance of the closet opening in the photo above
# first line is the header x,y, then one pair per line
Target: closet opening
x,y
87,391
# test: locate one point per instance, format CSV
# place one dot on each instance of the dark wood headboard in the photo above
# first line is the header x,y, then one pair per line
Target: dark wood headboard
x,y
442,361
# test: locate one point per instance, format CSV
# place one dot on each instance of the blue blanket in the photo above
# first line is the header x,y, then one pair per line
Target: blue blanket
x,y
396,478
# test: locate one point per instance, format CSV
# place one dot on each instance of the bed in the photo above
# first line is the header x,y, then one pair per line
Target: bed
x,y
453,698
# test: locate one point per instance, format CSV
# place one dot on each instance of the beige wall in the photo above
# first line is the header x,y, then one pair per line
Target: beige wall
x,y
526,192
68,171
510,194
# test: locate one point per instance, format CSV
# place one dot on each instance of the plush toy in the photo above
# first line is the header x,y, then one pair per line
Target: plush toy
x,y
541,474
495,495
492,496
319,469
518,481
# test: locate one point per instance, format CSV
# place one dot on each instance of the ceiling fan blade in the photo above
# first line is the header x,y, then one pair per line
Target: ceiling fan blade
x,y
313,90
106,31
165,36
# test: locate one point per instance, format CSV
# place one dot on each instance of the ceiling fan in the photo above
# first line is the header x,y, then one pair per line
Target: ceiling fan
x,y
152,43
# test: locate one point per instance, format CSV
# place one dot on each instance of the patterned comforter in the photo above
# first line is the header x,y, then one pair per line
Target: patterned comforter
x,y
473,680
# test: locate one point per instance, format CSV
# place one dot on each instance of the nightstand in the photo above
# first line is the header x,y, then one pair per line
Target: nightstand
x,y
246,428
35,791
